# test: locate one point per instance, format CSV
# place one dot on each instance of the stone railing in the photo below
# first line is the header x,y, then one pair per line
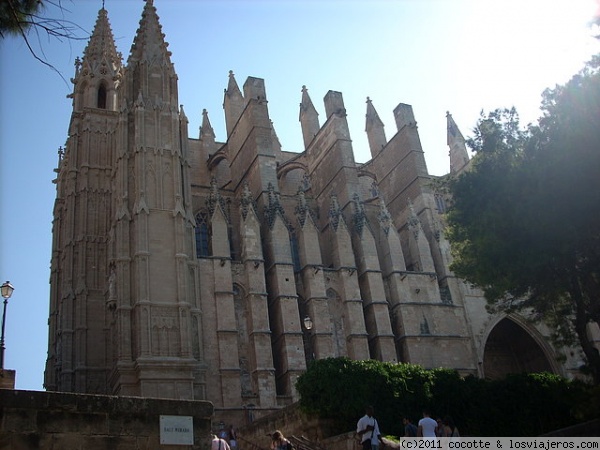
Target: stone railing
x,y
52,420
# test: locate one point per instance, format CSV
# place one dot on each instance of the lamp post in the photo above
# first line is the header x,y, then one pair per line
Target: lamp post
x,y
307,337
308,323
6,289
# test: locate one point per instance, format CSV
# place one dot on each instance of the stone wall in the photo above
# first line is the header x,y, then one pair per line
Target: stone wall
x,y
7,379
291,422
51,420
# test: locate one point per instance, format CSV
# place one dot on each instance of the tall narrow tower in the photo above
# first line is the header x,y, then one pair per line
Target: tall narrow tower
x,y
124,318
78,353
156,319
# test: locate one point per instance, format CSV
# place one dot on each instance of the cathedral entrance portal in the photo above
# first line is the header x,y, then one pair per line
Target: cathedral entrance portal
x,y
511,349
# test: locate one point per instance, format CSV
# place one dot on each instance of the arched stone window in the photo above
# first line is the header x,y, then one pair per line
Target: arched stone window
x,y
511,349
202,235
295,252
101,97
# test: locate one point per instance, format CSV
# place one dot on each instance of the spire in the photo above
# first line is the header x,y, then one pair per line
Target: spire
x,y
149,43
215,199
151,73
99,70
233,103
384,217
335,212
276,141
101,46
182,115
374,128
274,208
309,118
359,217
247,201
459,157
302,211
206,129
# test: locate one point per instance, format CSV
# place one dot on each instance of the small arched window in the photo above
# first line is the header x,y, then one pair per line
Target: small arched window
x,y
202,237
101,103
295,252
440,204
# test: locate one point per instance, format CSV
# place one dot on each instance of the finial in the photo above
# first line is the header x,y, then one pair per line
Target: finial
x,y
368,99
231,73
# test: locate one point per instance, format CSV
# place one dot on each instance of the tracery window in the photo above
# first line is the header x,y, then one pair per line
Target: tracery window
x,y
202,235
101,101
440,204
295,252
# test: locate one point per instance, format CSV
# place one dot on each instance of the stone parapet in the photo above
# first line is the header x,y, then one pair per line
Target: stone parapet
x,y
50,420
7,378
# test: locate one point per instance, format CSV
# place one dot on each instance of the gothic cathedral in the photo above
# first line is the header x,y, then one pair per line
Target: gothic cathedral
x,y
186,267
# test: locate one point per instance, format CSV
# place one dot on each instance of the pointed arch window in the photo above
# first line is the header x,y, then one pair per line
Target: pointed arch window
x,y
440,204
295,252
202,235
101,97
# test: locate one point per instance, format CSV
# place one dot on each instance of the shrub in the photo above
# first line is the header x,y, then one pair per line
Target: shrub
x,y
519,405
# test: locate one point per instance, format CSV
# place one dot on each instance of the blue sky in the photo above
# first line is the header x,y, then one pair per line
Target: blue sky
x,y
461,56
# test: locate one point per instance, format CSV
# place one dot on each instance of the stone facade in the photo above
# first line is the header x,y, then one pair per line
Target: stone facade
x,y
33,420
184,267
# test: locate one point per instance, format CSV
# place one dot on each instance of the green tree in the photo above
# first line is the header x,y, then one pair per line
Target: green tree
x,y
338,389
16,15
33,18
525,221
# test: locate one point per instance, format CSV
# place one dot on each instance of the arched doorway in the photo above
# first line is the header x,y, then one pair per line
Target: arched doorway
x,y
511,349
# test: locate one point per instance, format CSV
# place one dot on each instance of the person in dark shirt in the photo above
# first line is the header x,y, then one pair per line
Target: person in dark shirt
x,y
410,429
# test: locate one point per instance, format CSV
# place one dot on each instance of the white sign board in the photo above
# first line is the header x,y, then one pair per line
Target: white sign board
x,y
176,430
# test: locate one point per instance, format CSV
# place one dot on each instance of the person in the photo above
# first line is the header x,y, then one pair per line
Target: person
x,y
426,426
219,443
232,436
450,429
223,433
368,430
410,429
440,431
279,442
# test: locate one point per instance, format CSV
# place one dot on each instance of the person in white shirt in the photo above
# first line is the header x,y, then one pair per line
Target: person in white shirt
x,y
368,430
426,426
218,444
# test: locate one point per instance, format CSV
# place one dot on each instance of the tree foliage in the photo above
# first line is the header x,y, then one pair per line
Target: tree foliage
x,y
338,389
33,19
15,14
525,220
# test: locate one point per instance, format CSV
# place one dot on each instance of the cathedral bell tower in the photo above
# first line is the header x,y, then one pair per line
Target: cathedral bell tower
x,y
156,317
124,314
77,352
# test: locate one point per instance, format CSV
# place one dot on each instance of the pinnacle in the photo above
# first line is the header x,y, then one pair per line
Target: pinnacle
x,y
101,46
149,44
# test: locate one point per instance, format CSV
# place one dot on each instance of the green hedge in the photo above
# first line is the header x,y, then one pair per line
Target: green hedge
x,y
519,405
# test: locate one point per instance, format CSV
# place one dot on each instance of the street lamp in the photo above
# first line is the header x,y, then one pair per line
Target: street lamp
x,y
308,323
6,289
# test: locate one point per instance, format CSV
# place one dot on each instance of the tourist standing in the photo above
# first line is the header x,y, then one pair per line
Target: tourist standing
x,y
232,436
427,426
410,429
368,430
279,442
219,443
